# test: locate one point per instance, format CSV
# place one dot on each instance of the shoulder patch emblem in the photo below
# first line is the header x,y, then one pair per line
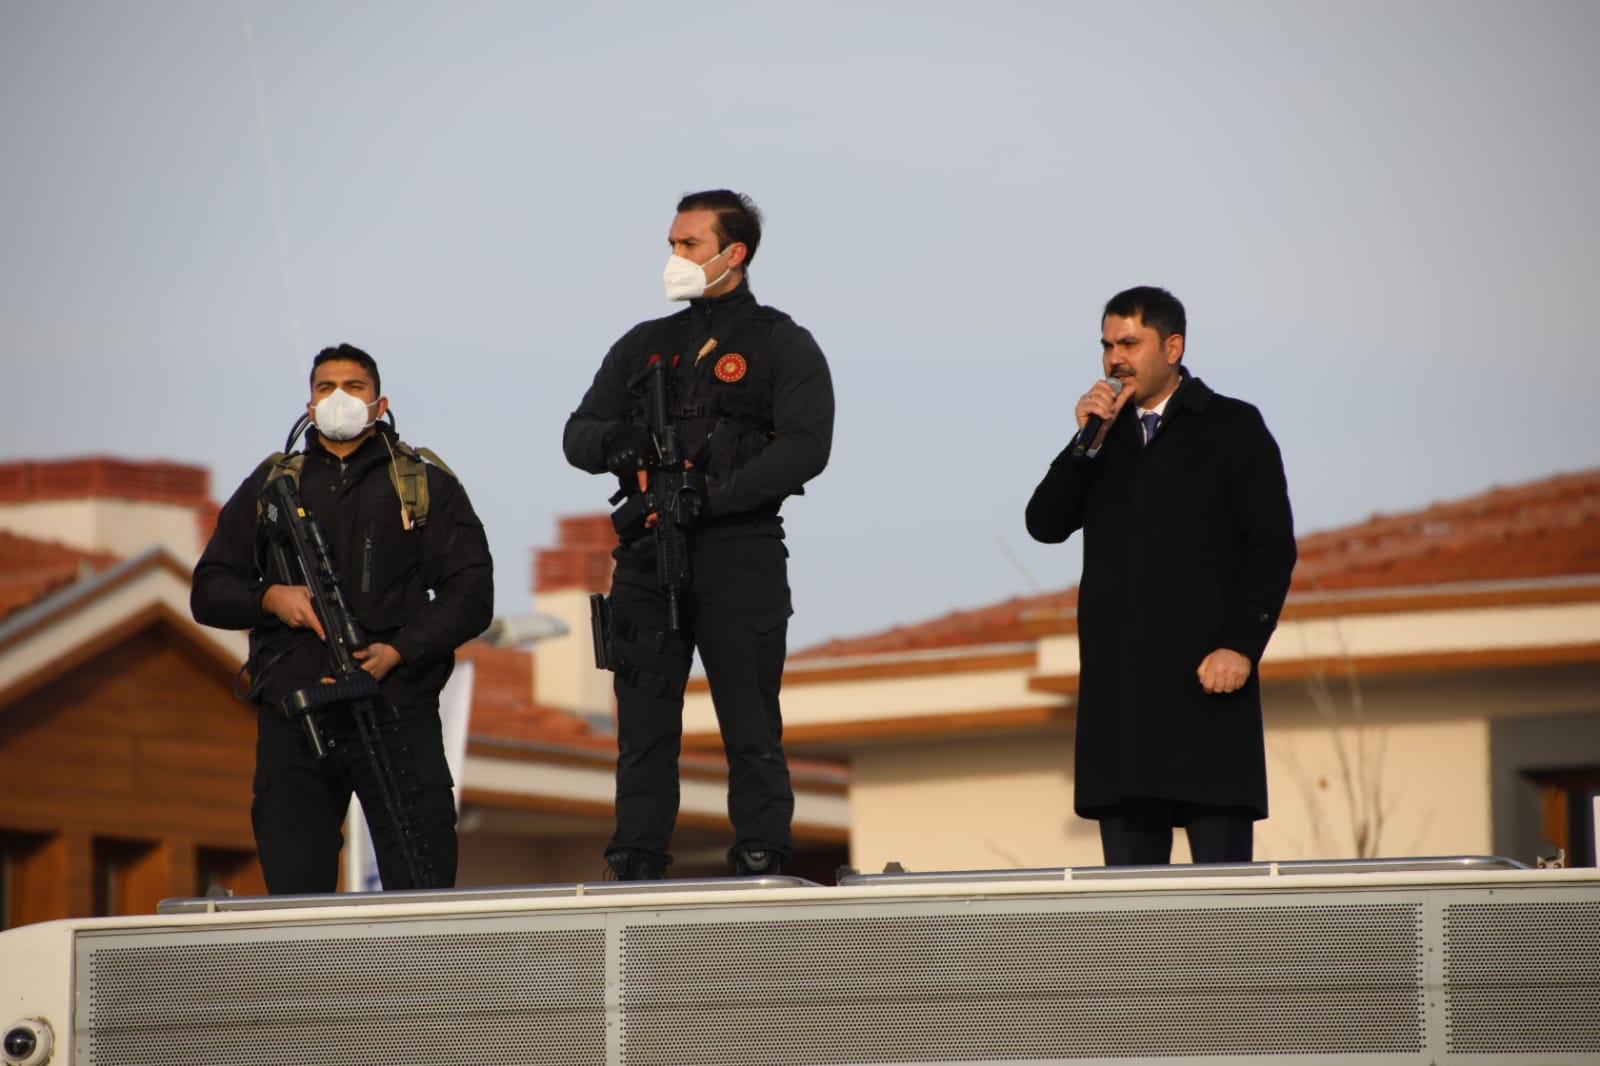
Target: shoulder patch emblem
x,y
731,367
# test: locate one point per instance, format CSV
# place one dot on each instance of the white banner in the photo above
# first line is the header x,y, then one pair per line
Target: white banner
x,y
455,711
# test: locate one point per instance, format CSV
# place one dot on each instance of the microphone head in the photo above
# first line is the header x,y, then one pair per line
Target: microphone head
x,y
1116,385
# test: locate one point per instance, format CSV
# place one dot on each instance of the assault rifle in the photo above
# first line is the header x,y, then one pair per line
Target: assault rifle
x,y
672,492
301,551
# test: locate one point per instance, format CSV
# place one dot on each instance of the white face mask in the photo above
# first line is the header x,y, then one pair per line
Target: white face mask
x,y
685,279
340,416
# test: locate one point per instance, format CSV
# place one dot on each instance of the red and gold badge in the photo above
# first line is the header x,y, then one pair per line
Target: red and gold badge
x,y
731,367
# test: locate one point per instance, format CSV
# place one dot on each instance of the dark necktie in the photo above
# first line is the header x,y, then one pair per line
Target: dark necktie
x,y
1149,419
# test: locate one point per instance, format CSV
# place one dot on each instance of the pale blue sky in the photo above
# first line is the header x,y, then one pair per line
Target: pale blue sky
x,y
1380,216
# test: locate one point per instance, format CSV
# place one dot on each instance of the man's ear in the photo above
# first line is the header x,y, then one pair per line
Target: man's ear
x,y
737,251
1173,348
382,408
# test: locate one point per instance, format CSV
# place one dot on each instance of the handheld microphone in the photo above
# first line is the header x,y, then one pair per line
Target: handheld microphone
x,y
1091,427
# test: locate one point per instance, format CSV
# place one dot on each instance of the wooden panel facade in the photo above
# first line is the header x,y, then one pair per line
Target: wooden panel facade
x,y
127,782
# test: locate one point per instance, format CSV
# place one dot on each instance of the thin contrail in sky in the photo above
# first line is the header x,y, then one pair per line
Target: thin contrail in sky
x,y
272,188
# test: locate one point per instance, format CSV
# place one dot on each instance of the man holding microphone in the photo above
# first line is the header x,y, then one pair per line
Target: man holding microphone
x,y
1187,552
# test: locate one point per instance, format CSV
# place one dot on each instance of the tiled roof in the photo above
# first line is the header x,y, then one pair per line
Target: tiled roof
x,y
32,569
1017,619
502,698
1547,528
102,477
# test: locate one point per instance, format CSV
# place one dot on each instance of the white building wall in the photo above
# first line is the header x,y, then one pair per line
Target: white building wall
x,y
972,802
1419,786
1415,781
565,675
123,527
1420,632
1005,802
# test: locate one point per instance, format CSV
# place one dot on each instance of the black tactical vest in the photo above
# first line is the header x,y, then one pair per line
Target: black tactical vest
x,y
723,401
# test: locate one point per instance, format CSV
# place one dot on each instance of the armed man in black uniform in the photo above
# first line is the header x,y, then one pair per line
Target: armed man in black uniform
x,y
414,565
752,404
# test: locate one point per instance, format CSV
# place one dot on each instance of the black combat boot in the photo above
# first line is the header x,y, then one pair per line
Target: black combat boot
x,y
753,862
627,865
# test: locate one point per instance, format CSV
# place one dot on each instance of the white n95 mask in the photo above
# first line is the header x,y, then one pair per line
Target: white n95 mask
x,y
685,279
340,416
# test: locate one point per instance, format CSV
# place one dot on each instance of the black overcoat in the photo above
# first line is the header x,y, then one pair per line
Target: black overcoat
x,y
1188,546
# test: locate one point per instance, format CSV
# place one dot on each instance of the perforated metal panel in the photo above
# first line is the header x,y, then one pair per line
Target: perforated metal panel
x,y
1391,976
1025,987
373,996
1521,977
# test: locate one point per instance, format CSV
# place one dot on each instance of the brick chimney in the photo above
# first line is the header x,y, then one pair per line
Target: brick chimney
x,y
563,579
101,504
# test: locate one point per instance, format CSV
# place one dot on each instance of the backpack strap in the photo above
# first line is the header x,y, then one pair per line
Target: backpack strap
x,y
279,464
408,473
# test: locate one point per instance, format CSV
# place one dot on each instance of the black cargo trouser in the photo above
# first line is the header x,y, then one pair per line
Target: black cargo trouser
x,y
735,612
300,803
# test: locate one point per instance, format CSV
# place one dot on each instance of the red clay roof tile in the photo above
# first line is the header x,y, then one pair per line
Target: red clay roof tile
x,y
502,698
102,476
32,569
1546,528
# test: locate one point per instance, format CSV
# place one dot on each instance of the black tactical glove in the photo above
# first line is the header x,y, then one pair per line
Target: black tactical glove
x,y
628,448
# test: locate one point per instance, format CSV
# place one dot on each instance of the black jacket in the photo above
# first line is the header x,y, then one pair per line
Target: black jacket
x,y
386,571
755,415
1188,546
